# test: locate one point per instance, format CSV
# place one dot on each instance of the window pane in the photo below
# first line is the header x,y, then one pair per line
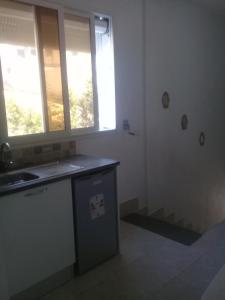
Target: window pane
x,y
79,71
20,70
105,74
49,43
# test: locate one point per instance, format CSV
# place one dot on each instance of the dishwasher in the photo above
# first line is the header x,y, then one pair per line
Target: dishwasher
x,y
96,218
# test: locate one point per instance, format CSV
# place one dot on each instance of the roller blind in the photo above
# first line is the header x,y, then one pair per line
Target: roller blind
x,y
16,24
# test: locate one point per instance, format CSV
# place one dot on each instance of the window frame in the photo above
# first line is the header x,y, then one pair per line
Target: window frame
x,y
91,17
68,132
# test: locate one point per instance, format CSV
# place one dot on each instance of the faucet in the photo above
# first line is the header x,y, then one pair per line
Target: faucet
x,y
5,157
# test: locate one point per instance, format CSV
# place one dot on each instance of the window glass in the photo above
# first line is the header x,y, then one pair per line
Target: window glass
x,y
105,74
79,71
20,69
33,70
49,44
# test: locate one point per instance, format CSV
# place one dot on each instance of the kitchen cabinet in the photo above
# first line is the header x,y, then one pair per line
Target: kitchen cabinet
x,y
3,276
36,226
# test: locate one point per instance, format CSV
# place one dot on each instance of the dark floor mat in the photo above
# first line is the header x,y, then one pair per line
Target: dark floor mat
x,y
173,232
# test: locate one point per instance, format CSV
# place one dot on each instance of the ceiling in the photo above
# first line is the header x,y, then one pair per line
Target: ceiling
x,y
216,5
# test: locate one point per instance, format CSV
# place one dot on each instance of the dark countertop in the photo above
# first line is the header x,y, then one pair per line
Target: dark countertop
x,y
74,166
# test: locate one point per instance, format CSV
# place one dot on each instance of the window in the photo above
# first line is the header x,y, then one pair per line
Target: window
x,y
79,71
105,73
20,70
56,72
48,35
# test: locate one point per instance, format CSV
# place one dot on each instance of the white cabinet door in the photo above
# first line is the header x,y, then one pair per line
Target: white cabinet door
x,y
37,231
3,276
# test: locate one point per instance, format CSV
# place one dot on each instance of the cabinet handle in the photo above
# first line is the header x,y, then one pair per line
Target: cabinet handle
x,y
37,192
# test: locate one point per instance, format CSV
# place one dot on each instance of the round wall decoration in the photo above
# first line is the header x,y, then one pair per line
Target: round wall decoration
x,y
184,122
165,100
202,139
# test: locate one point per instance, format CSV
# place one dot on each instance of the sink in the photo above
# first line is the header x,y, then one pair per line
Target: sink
x,y
51,169
11,179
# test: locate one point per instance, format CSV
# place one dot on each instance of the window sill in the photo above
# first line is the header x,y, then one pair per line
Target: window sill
x,y
36,140
94,134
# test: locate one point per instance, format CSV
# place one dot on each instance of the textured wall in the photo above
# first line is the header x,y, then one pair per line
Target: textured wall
x,y
31,155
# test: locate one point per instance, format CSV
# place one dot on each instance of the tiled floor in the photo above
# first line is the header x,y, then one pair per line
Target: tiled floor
x,y
150,267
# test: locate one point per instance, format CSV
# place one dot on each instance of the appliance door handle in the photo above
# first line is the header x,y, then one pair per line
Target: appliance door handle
x,y
36,192
107,171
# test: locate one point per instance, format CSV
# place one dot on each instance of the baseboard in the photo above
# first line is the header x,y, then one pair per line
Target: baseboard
x,y
46,286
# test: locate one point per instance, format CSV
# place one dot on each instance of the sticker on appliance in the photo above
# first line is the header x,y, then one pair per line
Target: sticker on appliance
x,y
97,206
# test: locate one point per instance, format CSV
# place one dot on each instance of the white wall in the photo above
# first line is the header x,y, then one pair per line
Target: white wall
x,y
128,43
184,55
185,51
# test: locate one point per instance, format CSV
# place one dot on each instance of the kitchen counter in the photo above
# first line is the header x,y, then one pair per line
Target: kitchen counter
x,y
74,166
51,222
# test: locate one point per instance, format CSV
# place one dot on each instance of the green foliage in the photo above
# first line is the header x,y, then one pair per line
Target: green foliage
x,y
81,108
21,120
56,116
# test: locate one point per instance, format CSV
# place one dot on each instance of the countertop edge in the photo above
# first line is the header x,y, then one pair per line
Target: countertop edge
x,y
96,164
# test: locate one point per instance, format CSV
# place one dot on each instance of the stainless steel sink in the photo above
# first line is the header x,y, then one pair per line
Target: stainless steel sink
x,y
16,178
54,168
